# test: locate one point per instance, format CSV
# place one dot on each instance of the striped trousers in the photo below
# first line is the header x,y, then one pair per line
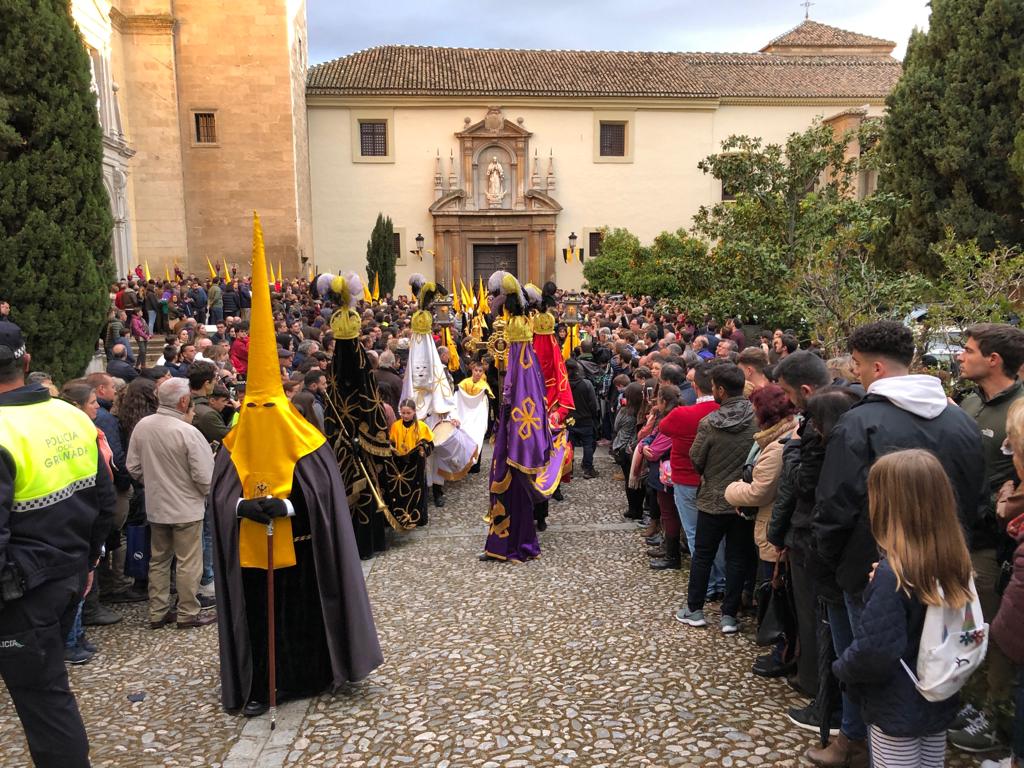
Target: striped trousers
x,y
906,752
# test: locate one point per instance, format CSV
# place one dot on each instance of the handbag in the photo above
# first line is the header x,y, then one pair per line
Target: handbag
x,y
747,476
137,552
776,614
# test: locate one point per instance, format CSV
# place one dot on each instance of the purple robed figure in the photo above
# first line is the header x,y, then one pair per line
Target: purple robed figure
x,y
522,454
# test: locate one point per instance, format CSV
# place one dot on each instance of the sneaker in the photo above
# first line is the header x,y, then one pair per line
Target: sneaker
x,y
978,736
206,601
809,719
1006,762
590,474
963,718
691,618
76,654
83,642
729,625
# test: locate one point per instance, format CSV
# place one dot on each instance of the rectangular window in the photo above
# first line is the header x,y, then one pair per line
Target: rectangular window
x,y
595,244
396,244
728,191
206,128
613,139
373,138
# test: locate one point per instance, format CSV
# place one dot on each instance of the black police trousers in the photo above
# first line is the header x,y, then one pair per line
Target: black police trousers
x,y
32,632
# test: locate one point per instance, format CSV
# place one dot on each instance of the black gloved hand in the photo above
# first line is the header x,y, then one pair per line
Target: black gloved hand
x,y
275,507
252,509
262,510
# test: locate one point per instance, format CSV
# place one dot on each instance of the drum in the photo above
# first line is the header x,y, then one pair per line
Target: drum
x,y
455,451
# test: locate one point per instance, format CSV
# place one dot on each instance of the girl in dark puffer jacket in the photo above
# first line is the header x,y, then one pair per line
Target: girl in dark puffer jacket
x,y
913,518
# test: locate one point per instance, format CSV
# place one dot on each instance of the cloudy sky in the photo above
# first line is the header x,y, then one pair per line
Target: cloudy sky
x,y
336,29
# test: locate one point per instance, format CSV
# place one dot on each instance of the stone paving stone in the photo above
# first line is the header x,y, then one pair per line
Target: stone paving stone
x,y
572,660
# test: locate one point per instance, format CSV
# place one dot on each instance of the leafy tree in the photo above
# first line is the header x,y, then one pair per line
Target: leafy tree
x,y
380,254
976,286
610,271
840,285
55,224
663,270
955,118
786,202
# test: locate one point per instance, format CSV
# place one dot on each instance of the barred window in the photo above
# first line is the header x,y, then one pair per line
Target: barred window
x,y
396,244
206,128
613,139
373,138
595,244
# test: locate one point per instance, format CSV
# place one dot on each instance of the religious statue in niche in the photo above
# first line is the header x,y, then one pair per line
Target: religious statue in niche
x,y
495,183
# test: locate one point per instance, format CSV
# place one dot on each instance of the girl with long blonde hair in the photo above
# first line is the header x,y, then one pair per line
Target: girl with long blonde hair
x,y
924,561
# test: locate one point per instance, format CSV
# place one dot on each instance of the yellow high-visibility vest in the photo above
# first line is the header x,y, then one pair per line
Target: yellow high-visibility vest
x,y
54,449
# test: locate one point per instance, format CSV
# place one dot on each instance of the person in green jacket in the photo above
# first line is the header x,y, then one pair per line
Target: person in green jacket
x,y
215,302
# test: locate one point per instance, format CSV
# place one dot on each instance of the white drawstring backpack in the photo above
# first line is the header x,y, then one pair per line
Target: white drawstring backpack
x,y
953,645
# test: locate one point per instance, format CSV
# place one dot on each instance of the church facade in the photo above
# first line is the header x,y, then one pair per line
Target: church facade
x,y
496,158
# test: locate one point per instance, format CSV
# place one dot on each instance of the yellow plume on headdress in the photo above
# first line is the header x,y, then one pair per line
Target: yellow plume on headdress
x,y
271,435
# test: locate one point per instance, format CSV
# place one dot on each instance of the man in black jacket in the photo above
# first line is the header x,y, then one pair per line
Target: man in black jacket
x,y
586,417
900,411
119,365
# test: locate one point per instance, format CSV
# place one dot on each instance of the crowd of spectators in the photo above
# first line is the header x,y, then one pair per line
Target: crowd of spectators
x,y
736,449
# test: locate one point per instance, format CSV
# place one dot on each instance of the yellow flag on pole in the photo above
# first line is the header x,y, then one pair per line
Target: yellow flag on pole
x,y
309,275
213,272
280,274
376,286
482,306
227,272
456,302
366,294
148,276
167,274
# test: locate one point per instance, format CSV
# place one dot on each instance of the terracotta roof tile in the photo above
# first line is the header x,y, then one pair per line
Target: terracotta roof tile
x,y
814,34
396,70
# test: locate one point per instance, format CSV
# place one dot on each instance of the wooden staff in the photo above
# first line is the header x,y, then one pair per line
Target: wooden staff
x,y
272,661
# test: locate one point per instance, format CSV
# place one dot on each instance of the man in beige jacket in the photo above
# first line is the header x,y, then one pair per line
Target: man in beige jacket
x,y
174,462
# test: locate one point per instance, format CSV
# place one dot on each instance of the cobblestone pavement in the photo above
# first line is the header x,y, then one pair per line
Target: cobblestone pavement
x,y
572,660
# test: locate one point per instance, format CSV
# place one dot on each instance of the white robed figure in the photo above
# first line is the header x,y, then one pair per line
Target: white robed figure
x,y
428,384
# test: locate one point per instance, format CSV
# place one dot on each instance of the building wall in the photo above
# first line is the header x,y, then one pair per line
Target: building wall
x,y
661,189
148,95
239,66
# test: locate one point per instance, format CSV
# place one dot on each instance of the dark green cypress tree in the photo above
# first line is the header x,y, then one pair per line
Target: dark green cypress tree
x,y
55,223
953,120
381,256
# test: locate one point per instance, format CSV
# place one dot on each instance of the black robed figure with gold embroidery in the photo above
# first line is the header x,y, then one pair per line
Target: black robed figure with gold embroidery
x,y
357,428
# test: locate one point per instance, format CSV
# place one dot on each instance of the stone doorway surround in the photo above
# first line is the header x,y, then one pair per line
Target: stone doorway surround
x,y
467,212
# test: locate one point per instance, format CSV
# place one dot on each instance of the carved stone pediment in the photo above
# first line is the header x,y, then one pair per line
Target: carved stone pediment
x,y
495,172
494,125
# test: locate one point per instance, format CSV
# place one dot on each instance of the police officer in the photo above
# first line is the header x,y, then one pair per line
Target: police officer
x,y
56,504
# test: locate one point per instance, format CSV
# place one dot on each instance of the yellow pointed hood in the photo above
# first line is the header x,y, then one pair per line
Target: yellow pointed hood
x,y
271,435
